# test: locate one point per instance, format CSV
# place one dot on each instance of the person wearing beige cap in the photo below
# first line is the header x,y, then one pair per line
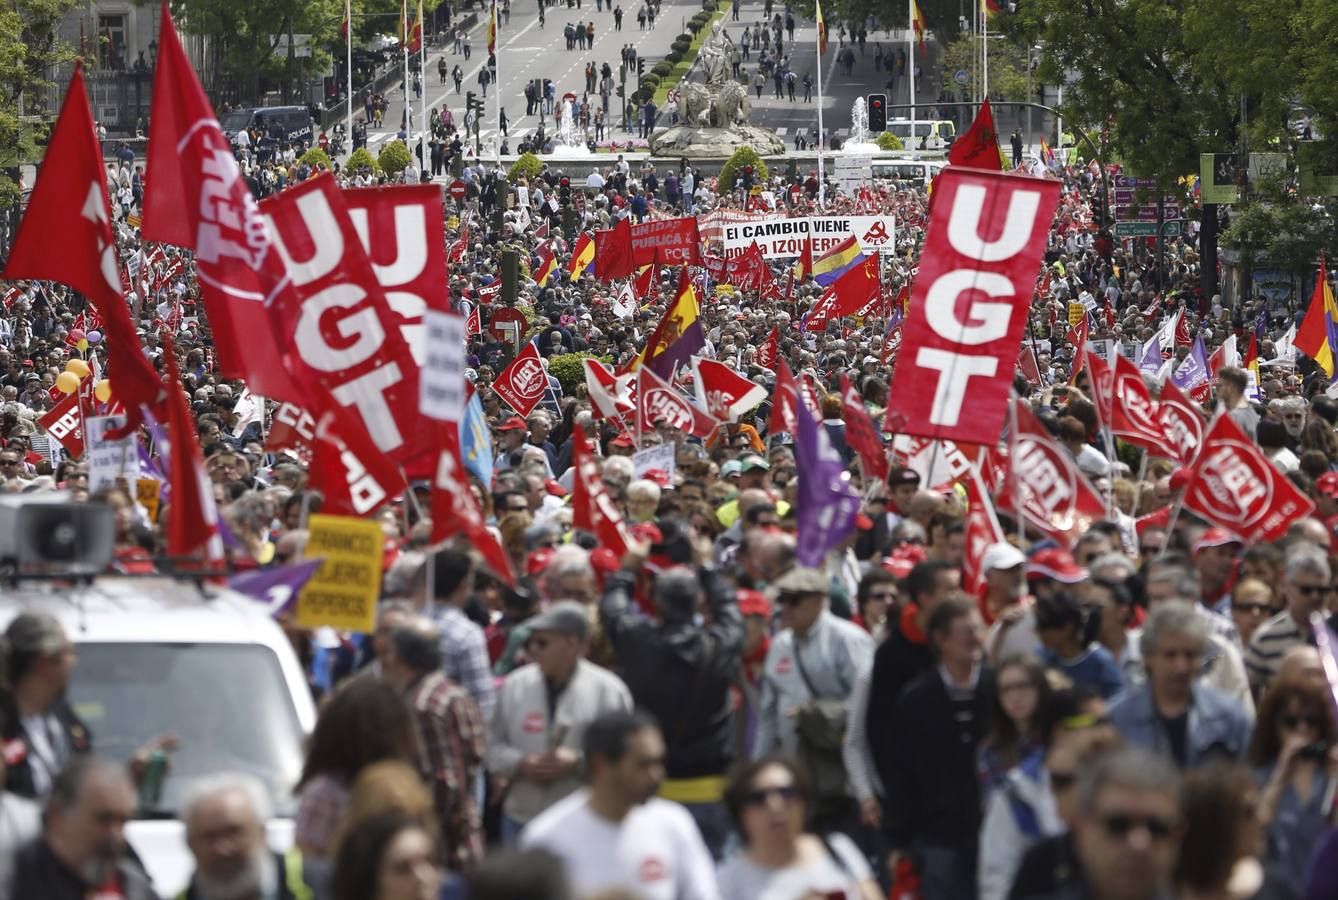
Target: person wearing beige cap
x,y
809,675
534,737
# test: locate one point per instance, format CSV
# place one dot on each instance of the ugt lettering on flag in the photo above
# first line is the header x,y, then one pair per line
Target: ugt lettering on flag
x,y
969,304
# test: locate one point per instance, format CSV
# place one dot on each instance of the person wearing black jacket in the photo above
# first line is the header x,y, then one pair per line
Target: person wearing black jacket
x,y
933,796
903,657
41,732
680,671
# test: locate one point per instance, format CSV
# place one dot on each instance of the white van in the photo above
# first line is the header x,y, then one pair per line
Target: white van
x,y
930,134
919,172
203,662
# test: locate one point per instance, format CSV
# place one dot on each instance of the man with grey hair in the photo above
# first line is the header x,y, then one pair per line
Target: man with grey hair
x,y
225,816
1172,714
1305,587
681,672
1128,828
82,851
450,736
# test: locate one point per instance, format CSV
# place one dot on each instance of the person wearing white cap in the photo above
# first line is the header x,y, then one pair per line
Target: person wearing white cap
x,y
1006,602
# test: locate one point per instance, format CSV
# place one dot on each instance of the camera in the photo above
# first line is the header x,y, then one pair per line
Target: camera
x,y
1317,751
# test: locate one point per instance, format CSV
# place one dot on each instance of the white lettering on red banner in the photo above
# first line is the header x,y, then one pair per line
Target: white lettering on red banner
x,y
969,304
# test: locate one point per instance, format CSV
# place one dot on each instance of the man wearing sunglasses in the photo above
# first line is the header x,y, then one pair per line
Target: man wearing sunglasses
x,y
1128,828
1306,589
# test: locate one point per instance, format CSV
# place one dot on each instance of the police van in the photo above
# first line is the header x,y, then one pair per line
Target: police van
x,y
294,120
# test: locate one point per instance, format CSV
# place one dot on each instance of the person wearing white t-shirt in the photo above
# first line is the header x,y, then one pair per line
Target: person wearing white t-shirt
x,y
616,833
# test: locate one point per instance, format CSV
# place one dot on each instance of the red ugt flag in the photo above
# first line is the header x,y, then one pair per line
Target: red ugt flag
x,y
969,304
1234,486
194,518
978,147
522,384
196,198
1056,497
454,509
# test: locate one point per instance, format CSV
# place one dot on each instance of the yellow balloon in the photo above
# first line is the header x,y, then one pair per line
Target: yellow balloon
x,y
67,382
102,390
78,367
83,345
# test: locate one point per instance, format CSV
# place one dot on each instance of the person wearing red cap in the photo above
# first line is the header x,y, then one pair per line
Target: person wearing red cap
x,y
1215,558
511,436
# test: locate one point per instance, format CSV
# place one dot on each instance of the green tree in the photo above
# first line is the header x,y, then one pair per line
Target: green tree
x,y
29,50
1163,82
251,41
317,157
1008,67
744,156
888,141
527,165
360,159
394,158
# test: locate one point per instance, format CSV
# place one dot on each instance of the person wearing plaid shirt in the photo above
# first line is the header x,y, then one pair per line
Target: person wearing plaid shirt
x,y
464,647
450,737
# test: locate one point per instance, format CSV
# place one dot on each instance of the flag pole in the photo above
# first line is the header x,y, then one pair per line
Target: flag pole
x,y
423,161
822,182
910,64
497,79
404,50
985,49
348,68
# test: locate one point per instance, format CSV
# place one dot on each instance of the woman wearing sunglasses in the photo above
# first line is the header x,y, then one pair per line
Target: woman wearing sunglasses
x,y
1293,752
768,800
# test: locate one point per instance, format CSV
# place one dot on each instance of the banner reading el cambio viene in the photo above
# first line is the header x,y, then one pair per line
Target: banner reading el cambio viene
x,y
784,238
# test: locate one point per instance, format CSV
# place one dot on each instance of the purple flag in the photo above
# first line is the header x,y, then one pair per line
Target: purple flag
x,y
826,504
1151,362
1193,372
276,586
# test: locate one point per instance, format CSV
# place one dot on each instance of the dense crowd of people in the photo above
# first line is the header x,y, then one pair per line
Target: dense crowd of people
x,y
1142,715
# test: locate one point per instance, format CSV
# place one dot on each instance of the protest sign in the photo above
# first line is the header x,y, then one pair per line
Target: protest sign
x,y
344,590
108,459
660,457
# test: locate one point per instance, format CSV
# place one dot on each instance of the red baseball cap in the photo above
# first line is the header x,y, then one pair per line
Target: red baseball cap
x,y
623,440
1327,484
512,424
538,560
1056,564
659,476
753,603
1216,537
555,489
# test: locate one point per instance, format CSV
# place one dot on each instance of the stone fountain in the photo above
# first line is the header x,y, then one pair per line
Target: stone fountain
x,y
713,113
859,142
570,139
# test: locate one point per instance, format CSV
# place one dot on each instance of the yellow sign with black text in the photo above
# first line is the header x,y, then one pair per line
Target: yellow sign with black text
x,y
343,591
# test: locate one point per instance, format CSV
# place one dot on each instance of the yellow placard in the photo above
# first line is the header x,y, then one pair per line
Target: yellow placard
x,y
343,591
723,289
132,220
1076,312
452,223
147,493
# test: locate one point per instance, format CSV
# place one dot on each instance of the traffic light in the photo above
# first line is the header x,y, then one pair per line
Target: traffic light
x,y
474,104
878,112
564,190
640,66
622,91
469,101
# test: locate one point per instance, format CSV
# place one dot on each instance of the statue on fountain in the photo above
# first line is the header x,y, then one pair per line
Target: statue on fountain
x,y
714,113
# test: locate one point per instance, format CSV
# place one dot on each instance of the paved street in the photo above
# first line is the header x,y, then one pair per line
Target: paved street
x,y
528,51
